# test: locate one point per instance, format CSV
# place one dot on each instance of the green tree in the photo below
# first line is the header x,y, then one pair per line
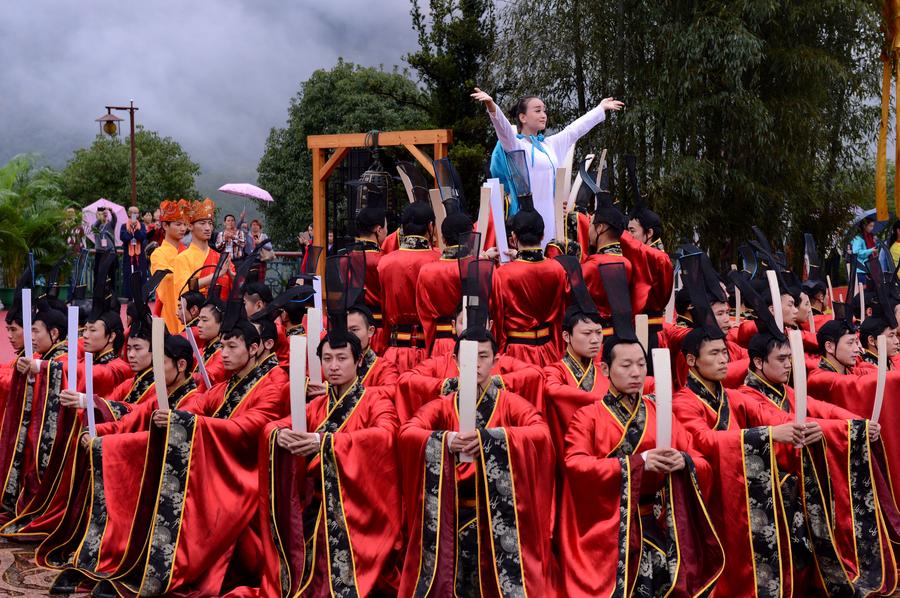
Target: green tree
x,y
344,99
739,112
164,171
32,216
456,38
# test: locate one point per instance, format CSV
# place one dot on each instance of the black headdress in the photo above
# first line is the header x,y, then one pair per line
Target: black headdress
x,y
581,298
234,307
309,265
520,180
418,186
105,299
605,210
23,282
640,210
615,282
139,308
345,277
695,281
450,185
476,276
883,306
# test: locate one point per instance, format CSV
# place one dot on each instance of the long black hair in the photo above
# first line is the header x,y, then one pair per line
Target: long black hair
x,y
521,107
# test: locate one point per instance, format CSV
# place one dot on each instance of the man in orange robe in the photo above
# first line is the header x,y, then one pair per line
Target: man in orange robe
x,y
173,217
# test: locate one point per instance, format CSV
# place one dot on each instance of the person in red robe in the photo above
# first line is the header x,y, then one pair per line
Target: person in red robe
x,y
855,468
529,294
434,377
649,521
64,524
869,331
371,231
607,229
575,380
202,464
472,526
42,513
209,325
438,288
29,427
398,273
330,525
374,371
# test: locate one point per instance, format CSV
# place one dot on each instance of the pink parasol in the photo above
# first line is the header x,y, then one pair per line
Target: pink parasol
x,y
246,190
89,216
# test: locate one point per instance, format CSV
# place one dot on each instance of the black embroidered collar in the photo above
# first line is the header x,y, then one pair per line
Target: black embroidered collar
x,y
532,254
614,248
57,350
210,349
181,391
296,330
368,360
454,252
366,245
825,364
141,384
414,242
105,357
776,393
712,398
583,376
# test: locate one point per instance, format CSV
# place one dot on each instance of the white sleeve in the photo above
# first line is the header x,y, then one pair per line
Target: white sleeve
x,y
506,133
562,141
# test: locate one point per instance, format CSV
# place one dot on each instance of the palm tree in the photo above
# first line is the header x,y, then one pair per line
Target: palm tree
x,y
32,216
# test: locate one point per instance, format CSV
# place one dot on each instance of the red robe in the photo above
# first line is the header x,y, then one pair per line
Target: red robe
x,y
577,242
528,301
652,276
854,469
377,371
63,525
608,254
748,329
672,337
29,431
398,273
607,513
373,292
343,504
447,547
212,359
46,507
568,387
199,475
426,382
438,293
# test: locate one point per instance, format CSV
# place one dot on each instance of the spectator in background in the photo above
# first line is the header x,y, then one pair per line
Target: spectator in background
x,y
895,244
155,232
260,239
862,246
330,249
231,239
133,235
104,231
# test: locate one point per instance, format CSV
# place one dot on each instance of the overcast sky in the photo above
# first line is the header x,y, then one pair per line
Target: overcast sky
x,y
213,74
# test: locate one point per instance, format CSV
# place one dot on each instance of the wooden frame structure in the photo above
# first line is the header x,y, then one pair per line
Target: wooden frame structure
x,y
323,165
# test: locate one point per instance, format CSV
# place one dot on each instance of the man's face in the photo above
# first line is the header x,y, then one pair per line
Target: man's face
x,y
207,326
637,231
95,337
338,365
330,237
357,324
846,350
236,354
137,352
486,360
175,230
586,339
202,229
804,309
41,337
15,334
890,334
722,314
777,366
712,363
171,371
628,369
133,214
252,305
788,310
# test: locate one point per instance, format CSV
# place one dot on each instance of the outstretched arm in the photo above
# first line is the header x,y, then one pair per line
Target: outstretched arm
x,y
582,125
506,133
